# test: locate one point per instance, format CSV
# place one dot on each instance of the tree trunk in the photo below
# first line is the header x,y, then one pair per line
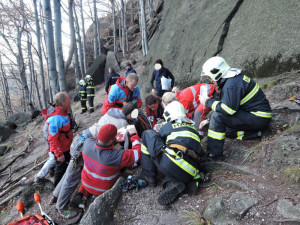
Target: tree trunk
x,y
123,27
114,25
143,29
50,48
38,36
31,67
59,50
78,41
150,3
95,31
73,40
83,37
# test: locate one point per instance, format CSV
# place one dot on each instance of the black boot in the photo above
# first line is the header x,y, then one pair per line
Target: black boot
x,y
173,189
83,111
91,111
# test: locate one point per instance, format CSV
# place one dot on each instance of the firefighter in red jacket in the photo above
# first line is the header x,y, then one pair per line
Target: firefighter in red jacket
x,y
102,163
60,133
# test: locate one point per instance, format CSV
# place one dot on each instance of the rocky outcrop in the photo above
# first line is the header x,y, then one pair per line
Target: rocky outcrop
x,y
253,35
111,60
101,211
19,118
97,69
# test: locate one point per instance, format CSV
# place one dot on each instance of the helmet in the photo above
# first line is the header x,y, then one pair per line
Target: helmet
x,y
88,77
82,82
215,67
174,111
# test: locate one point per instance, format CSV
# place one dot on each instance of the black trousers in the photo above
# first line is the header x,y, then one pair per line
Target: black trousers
x,y
91,102
61,167
83,105
242,125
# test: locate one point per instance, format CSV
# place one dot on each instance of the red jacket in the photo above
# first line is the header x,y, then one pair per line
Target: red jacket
x,y
102,165
189,97
60,134
154,115
119,94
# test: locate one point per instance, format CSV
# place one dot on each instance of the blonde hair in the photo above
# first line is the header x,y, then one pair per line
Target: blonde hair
x,y
169,97
175,89
59,98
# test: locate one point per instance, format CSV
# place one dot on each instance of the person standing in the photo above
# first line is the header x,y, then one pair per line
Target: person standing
x,y
60,133
90,92
159,75
243,111
111,78
129,69
83,96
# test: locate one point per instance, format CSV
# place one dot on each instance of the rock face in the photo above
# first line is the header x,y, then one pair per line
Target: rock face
x,y
19,118
253,35
97,69
5,131
111,60
288,210
101,211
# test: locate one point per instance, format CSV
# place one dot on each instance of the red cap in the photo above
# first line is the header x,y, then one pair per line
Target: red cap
x,y
107,133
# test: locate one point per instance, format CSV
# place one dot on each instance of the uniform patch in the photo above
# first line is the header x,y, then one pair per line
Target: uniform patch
x,y
247,79
53,129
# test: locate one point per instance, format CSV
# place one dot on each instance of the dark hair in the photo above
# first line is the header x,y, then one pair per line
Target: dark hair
x,y
151,99
111,68
159,61
128,108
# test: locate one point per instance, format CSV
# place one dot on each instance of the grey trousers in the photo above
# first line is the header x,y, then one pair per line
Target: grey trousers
x,y
68,184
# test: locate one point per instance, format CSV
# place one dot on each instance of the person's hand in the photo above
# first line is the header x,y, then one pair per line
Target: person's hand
x,y
203,99
203,123
153,91
131,129
61,158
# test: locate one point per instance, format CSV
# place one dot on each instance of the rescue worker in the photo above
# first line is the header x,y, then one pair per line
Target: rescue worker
x,y
111,78
60,133
103,163
243,111
64,190
174,151
189,98
90,88
129,69
83,96
125,90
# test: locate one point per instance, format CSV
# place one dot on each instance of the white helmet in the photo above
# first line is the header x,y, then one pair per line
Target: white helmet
x,y
88,77
174,111
215,67
82,82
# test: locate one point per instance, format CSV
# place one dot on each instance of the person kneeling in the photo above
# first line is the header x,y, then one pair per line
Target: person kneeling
x,y
175,151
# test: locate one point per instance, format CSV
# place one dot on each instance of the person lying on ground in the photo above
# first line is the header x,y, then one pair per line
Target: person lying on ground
x,y
154,109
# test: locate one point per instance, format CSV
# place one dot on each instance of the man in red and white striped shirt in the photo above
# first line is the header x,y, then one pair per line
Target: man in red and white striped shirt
x,y
102,163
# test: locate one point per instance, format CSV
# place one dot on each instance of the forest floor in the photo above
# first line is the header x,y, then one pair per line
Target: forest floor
x,y
141,207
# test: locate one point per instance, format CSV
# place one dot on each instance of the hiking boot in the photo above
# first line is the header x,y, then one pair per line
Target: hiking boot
x,y
83,112
263,134
68,214
91,111
77,201
53,200
150,180
173,189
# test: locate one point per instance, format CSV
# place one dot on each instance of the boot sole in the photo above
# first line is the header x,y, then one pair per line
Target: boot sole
x,y
168,196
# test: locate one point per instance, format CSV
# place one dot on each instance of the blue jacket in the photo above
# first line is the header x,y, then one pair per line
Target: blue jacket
x,y
157,75
240,93
131,70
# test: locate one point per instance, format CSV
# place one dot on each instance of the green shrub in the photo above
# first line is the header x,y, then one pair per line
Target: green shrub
x,y
292,173
271,84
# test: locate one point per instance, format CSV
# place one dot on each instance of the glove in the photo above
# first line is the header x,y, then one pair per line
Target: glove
x,y
203,123
134,101
203,99
131,129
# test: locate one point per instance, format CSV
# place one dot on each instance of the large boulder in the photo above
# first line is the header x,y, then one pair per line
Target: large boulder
x,y
111,60
101,211
20,118
97,69
250,34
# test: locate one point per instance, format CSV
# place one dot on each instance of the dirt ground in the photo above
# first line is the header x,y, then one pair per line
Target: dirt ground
x,y
141,207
